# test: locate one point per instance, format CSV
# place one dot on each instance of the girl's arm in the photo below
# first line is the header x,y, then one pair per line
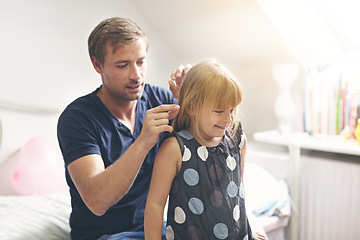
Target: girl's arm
x,y
243,156
256,235
167,163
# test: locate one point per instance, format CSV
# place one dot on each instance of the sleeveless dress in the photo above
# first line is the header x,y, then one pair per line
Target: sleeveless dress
x,y
206,200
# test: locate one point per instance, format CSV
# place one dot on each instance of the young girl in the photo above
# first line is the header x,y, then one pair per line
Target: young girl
x,y
201,166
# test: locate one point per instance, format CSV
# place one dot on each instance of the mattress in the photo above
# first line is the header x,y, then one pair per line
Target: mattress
x,y
46,216
35,217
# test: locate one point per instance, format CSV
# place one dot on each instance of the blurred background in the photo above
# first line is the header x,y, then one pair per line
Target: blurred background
x,y
298,62
45,62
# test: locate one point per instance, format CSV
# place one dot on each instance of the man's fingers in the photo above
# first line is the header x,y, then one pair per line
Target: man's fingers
x,y
181,71
172,86
165,108
186,69
159,116
162,112
173,113
165,128
177,73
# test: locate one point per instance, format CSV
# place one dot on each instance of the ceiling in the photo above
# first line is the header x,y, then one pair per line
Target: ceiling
x,y
231,30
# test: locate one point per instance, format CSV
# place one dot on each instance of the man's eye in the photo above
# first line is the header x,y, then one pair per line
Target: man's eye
x,y
121,66
140,63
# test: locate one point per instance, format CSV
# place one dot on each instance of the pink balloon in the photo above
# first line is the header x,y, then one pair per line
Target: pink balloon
x,y
37,168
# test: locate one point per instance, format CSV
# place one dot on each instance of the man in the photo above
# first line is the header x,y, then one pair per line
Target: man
x,y
109,138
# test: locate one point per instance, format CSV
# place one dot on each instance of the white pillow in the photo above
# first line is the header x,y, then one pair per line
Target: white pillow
x,y
265,195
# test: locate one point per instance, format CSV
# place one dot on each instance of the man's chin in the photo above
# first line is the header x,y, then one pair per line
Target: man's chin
x,y
135,96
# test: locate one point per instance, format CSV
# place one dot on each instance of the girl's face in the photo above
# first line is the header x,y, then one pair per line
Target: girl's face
x,y
214,121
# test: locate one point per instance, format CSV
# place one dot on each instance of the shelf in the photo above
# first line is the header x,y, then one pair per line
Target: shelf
x,y
326,143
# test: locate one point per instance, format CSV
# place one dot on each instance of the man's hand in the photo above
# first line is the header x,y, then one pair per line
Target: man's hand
x,y
177,77
157,121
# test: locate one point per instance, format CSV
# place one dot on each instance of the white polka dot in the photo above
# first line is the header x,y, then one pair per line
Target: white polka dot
x,y
179,215
241,190
187,154
236,213
203,153
246,237
191,176
196,206
231,163
169,233
232,189
221,231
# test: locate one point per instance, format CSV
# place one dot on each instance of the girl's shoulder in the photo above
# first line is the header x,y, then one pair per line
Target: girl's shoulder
x,y
171,151
170,142
236,134
174,139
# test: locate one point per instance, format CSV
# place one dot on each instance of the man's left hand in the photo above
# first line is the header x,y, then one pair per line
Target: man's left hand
x,y
177,77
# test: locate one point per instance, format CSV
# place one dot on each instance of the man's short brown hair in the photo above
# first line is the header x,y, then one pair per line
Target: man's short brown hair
x,y
117,31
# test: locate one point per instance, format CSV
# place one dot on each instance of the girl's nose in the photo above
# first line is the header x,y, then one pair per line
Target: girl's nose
x,y
228,117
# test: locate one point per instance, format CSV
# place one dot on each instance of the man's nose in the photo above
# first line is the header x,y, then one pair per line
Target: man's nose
x,y
135,72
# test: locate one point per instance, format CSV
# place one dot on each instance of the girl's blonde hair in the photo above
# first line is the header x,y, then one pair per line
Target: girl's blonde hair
x,y
207,84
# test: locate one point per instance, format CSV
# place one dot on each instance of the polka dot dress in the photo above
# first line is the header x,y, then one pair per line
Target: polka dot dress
x,y
207,196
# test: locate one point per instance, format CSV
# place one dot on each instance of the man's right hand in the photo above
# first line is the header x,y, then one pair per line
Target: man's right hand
x,y
156,122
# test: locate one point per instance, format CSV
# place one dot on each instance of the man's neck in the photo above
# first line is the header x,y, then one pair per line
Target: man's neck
x,y
123,110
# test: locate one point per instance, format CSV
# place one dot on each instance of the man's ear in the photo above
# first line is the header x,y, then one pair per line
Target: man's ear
x,y
96,64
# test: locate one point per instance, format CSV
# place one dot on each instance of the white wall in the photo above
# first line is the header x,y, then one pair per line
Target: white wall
x,y
45,63
44,58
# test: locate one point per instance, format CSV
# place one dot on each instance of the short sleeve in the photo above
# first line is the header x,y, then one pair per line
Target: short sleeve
x,y
238,134
76,136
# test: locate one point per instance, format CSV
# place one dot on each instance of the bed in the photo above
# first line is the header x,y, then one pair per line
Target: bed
x,y
34,197
43,216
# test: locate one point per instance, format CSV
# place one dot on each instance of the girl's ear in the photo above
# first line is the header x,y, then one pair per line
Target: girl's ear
x,y
190,110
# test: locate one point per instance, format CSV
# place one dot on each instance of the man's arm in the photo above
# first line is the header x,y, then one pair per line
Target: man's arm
x,y
101,188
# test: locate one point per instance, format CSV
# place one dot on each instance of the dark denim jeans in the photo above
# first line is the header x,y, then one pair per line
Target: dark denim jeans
x,y
130,235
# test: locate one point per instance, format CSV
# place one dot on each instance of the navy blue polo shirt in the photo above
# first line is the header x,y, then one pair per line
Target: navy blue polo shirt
x,y
87,127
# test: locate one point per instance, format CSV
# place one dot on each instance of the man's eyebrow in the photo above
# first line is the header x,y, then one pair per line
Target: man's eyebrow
x,y
126,61
122,61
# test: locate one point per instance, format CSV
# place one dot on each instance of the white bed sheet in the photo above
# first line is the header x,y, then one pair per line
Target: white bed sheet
x,y
35,217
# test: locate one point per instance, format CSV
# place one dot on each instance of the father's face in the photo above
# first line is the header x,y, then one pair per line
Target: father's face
x,y
124,71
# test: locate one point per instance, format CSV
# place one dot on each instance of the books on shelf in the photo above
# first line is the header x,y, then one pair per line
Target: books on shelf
x,y
331,101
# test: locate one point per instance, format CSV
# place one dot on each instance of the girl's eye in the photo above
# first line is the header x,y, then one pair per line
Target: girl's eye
x,y
218,111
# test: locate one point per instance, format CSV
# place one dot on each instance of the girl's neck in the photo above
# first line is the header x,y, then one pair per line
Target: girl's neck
x,y
208,142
